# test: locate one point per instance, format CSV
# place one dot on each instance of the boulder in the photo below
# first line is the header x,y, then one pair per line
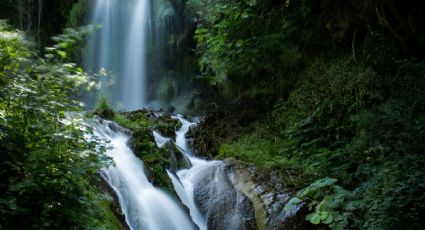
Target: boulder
x,y
223,205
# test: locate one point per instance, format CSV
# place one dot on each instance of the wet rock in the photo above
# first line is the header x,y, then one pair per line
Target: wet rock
x,y
177,159
171,109
269,197
224,206
115,127
235,195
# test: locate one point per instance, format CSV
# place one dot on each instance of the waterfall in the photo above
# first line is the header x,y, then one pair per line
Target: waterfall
x,y
134,76
135,35
208,189
144,206
119,47
211,190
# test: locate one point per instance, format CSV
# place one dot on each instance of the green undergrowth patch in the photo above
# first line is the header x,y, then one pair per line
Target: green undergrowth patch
x,y
354,122
271,153
110,216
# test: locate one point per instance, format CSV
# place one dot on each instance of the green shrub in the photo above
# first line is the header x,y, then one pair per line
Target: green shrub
x,y
330,203
47,166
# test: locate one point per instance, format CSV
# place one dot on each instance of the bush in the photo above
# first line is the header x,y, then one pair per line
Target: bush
x,y
47,166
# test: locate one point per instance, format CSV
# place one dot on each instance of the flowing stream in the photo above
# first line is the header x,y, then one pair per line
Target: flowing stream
x,y
144,206
186,178
216,195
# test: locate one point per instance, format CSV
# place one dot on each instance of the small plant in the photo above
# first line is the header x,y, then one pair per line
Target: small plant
x,y
104,109
329,202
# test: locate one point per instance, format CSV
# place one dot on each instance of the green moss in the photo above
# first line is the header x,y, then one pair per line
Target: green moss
x,y
156,159
166,125
271,154
111,221
143,143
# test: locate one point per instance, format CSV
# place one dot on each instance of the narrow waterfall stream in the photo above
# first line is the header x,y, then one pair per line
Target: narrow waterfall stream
x,y
136,44
119,48
134,75
144,206
185,180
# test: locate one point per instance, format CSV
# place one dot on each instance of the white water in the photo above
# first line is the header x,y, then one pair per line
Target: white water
x,y
186,178
144,206
159,139
119,47
134,77
131,31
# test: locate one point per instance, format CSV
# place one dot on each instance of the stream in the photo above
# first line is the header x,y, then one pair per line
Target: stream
x,y
212,195
144,206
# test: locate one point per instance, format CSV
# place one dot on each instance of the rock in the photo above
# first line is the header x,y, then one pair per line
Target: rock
x,y
269,197
235,195
171,109
177,159
224,206
112,203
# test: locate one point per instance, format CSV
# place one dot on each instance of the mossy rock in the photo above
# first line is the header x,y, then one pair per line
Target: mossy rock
x,y
113,218
156,160
166,125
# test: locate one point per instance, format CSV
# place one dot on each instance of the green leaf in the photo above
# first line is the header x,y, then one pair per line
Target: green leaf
x,y
324,182
334,201
338,225
314,218
62,54
323,215
328,220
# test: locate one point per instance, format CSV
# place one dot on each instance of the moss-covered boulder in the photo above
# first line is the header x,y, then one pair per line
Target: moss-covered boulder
x,y
157,160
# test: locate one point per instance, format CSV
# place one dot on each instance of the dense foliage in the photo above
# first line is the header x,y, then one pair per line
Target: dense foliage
x,y
341,85
48,166
42,19
310,89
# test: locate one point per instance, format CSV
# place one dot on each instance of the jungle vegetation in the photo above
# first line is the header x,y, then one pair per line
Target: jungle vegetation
x,y
330,90
329,94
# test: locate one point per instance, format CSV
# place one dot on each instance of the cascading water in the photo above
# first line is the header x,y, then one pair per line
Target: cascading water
x,y
135,34
211,190
208,190
184,182
134,76
144,206
119,47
